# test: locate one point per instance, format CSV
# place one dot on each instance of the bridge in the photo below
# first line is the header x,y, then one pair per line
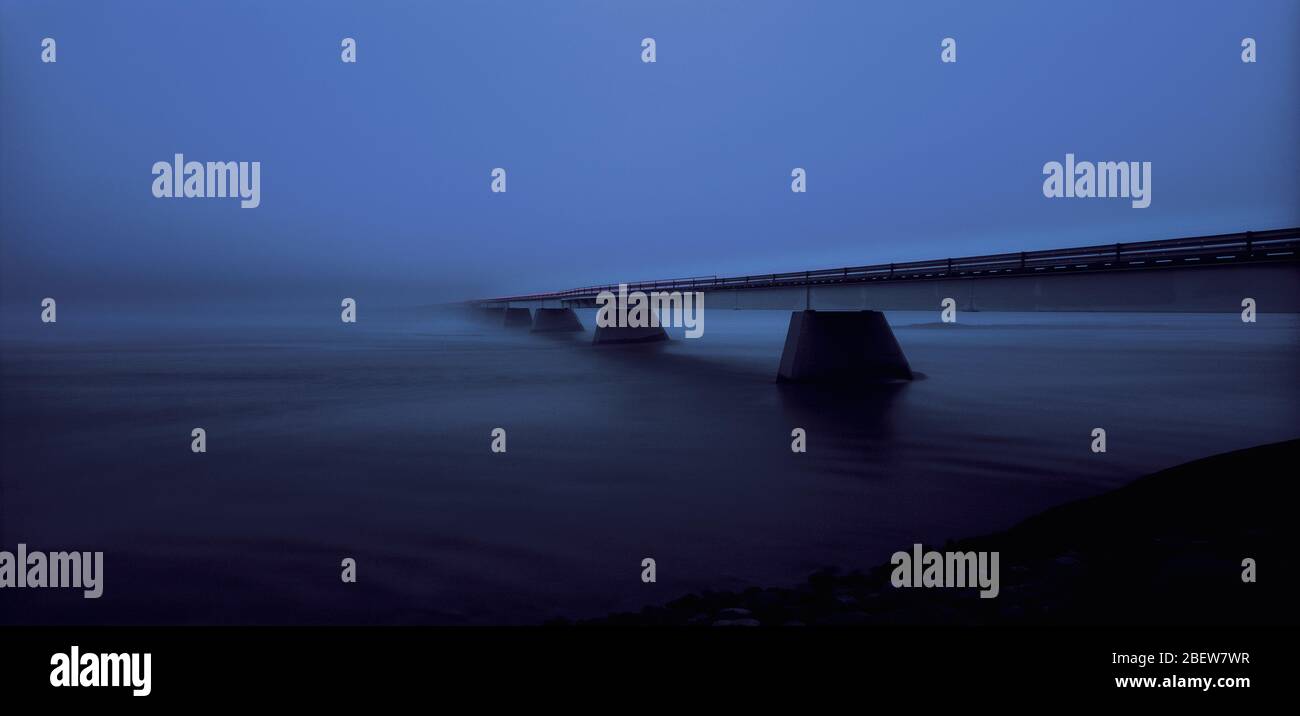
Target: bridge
x,y
837,331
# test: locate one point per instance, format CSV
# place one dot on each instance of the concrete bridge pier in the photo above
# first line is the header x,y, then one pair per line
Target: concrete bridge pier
x,y
556,320
518,318
610,335
841,347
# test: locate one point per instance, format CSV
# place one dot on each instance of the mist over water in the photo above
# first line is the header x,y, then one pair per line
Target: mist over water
x,y
371,441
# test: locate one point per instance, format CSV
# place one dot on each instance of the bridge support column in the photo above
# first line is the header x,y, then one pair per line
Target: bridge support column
x,y
555,320
841,347
610,335
518,318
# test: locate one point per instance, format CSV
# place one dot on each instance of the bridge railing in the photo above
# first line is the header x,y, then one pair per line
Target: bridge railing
x,y
1256,245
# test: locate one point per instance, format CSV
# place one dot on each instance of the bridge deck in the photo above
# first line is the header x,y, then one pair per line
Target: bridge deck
x,y
1277,245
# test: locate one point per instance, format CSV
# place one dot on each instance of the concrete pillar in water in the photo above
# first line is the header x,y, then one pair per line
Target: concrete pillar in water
x,y
841,347
518,318
555,320
611,335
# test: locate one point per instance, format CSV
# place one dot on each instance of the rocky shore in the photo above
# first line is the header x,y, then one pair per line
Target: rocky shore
x,y
1167,549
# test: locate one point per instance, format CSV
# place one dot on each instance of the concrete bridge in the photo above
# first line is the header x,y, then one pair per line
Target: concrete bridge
x,y
838,333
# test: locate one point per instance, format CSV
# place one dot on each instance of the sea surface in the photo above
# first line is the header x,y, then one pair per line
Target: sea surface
x,y
371,441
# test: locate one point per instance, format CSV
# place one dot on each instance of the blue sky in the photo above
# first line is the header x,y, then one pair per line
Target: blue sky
x,y
375,176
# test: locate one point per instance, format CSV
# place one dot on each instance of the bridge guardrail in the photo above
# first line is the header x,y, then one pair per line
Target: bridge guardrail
x,y
1273,244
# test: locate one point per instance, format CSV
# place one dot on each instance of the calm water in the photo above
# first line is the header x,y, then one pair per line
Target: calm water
x,y
372,441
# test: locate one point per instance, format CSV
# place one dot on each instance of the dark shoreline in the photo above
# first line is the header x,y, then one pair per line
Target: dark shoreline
x,y
1167,549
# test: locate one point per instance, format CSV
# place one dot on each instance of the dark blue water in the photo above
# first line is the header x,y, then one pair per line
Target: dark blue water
x,y
372,440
